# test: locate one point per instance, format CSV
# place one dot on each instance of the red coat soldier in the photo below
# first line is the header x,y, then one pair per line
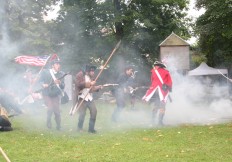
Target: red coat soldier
x,y
161,86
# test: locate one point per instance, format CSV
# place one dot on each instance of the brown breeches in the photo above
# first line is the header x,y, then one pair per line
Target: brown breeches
x,y
53,105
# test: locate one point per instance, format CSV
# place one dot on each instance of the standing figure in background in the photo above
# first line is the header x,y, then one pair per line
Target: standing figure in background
x,y
161,85
121,91
84,88
133,89
27,88
52,90
28,81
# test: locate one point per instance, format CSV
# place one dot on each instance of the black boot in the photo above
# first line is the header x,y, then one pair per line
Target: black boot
x,y
80,125
114,117
49,116
161,116
91,126
153,118
58,121
49,124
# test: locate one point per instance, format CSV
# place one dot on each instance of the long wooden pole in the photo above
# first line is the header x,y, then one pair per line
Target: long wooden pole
x,y
77,105
4,154
107,61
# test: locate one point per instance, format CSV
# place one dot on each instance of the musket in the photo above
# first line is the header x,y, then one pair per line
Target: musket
x,y
74,109
12,115
29,97
108,84
77,105
224,76
132,90
52,82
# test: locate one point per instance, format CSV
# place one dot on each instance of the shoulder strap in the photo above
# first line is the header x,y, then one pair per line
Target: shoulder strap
x,y
157,73
54,78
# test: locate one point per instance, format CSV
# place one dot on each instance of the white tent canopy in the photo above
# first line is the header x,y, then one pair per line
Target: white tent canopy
x,y
204,69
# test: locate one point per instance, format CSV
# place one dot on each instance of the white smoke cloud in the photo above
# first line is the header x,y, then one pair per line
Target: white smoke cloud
x,y
193,104
196,100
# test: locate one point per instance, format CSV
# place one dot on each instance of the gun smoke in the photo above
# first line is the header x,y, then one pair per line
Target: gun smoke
x,y
197,100
194,102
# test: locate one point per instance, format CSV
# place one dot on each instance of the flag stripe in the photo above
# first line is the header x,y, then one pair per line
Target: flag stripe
x,y
33,60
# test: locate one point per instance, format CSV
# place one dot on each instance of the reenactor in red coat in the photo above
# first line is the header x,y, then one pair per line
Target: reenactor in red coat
x,y
161,86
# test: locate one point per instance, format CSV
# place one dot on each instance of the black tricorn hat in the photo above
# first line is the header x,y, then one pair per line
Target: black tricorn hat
x,y
160,64
55,61
89,68
130,67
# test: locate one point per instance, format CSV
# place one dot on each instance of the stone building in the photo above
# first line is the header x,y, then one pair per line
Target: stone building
x,y
174,51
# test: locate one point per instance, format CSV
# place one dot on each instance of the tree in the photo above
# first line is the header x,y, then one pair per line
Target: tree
x,y
26,25
152,22
214,29
87,30
23,31
91,28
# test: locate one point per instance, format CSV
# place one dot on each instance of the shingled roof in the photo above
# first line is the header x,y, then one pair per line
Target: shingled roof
x,y
174,40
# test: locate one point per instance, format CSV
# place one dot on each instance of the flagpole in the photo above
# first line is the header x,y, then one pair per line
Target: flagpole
x,y
36,77
32,81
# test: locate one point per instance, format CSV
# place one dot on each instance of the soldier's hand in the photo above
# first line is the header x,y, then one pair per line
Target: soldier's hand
x,y
45,85
126,90
92,83
99,87
57,81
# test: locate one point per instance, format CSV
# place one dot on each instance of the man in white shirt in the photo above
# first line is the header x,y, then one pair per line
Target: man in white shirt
x,y
84,87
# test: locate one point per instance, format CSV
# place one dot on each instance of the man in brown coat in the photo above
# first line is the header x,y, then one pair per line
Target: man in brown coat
x,y
84,87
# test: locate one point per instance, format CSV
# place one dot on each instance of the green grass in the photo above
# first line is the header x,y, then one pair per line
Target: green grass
x,y
32,142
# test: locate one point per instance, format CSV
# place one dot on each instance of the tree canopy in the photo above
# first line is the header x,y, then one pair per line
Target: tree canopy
x,y
214,29
87,30
91,28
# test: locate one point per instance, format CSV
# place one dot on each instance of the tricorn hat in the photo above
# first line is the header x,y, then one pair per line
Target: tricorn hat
x,y
55,61
89,68
160,64
130,67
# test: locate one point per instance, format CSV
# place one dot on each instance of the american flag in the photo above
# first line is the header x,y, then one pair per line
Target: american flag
x,y
35,60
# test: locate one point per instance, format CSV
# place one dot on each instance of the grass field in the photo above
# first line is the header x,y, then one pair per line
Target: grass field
x,y
129,140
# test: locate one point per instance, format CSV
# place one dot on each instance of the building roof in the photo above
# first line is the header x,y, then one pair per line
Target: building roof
x,y
204,69
174,40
